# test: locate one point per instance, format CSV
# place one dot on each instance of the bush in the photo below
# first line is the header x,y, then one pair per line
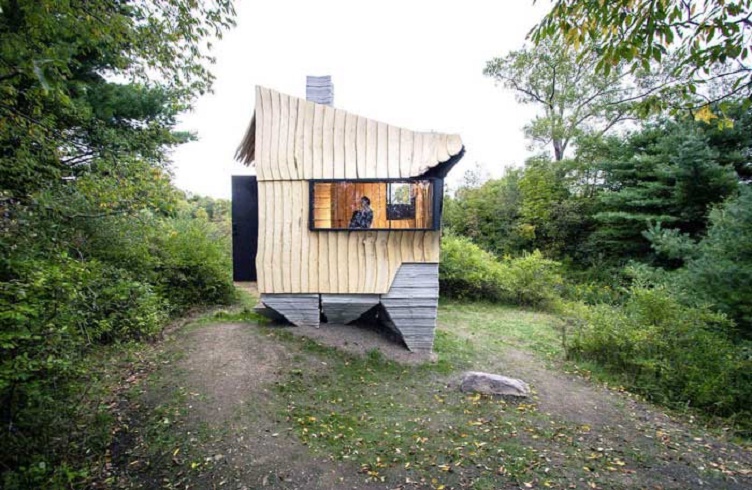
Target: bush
x,y
52,313
468,271
195,266
670,352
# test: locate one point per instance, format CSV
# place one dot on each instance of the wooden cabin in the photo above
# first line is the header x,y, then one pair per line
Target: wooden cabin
x,y
314,165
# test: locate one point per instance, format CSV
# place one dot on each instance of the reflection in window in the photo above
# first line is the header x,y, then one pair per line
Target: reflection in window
x,y
373,205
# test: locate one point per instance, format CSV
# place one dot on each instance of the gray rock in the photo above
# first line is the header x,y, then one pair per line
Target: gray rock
x,y
493,384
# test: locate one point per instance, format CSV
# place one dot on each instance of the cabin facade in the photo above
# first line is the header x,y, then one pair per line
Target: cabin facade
x,y
314,164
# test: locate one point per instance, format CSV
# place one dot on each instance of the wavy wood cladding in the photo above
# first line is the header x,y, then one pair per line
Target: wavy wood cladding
x,y
292,259
294,139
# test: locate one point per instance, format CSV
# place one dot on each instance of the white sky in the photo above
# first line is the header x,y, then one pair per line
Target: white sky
x,y
412,63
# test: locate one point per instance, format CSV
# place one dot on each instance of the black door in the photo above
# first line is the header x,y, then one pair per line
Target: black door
x,y
244,227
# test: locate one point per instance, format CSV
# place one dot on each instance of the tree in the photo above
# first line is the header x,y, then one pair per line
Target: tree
x,y
85,81
563,83
667,173
707,40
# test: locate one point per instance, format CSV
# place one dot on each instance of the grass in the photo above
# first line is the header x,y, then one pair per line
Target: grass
x,y
401,424
397,425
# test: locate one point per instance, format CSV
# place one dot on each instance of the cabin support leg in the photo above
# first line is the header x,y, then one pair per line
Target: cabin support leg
x,y
412,304
302,310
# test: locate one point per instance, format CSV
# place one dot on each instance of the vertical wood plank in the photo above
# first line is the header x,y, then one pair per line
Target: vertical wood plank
x,y
372,146
429,152
393,158
339,144
417,154
361,145
369,243
418,253
382,150
382,262
353,267
262,239
292,168
323,272
333,272
285,262
343,251
442,149
351,165
361,261
431,246
267,135
284,124
308,140
313,262
274,148
305,250
299,125
259,157
296,230
405,153
317,141
327,138
406,246
393,252
268,249
279,206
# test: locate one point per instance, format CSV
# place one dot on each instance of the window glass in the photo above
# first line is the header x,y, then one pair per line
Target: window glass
x,y
358,205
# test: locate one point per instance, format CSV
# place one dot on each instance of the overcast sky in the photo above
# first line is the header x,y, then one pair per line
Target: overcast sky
x,y
412,63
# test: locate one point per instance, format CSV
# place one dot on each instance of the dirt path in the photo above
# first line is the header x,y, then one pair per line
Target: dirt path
x,y
224,428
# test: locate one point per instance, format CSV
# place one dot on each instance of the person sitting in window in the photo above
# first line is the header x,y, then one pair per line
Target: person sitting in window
x,y
363,217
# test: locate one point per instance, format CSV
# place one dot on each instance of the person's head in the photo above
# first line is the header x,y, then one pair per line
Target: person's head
x,y
365,202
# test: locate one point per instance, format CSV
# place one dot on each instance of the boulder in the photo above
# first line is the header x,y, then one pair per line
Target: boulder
x,y
493,384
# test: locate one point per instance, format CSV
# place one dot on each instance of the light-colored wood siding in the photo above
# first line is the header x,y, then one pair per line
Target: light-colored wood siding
x,y
296,139
293,259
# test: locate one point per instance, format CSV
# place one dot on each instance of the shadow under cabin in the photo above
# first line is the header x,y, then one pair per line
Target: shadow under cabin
x,y
349,213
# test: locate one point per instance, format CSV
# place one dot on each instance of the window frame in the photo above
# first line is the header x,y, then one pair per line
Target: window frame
x,y
436,206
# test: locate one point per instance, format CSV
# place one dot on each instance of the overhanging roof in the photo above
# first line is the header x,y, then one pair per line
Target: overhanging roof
x,y
293,139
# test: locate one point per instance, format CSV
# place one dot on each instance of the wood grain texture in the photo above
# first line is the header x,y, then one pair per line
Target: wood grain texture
x,y
297,139
338,141
327,141
351,162
411,304
307,140
293,259
317,141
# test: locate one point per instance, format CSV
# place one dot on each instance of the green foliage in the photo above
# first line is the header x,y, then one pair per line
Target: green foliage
x,y
708,41
672,353
562,83
489,214
720,270
668,174
468,271
91,249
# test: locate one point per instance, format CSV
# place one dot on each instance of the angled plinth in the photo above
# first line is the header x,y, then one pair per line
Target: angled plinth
x,y
412,303
346,308
299,309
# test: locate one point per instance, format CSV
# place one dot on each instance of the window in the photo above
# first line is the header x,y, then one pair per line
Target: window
x,y
375,204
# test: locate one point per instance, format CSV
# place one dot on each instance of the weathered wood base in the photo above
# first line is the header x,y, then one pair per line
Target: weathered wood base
x,y
412,304
302,310
346,308
409,308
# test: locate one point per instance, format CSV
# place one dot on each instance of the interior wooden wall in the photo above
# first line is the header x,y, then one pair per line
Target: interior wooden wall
x,y
292,259
334,204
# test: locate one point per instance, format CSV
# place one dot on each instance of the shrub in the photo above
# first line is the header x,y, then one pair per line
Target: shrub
x,y
670,352
51,315
195,264
530,280
468,271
